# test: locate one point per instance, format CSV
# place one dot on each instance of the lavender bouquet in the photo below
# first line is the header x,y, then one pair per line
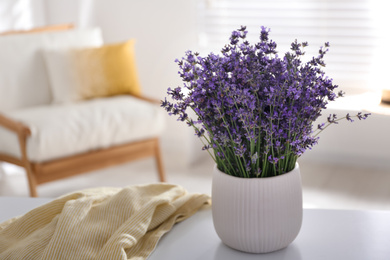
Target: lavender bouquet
x,y
255,110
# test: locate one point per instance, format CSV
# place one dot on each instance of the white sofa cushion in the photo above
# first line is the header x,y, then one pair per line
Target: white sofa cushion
x,y
63,130
24,80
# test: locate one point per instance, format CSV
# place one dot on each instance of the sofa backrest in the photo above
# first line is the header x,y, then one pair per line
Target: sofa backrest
x,y
24,80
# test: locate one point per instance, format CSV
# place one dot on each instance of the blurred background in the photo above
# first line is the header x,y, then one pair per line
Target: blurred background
x,y
349,168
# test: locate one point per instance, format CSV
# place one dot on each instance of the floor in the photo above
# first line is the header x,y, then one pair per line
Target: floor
x,y
324,186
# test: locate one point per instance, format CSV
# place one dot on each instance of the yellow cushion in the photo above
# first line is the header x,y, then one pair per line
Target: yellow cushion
x,y
92,72
114,69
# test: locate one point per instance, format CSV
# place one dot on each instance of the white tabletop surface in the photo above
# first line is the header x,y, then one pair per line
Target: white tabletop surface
x,y
325,234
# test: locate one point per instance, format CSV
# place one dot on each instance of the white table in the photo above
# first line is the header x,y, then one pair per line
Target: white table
x,y
325,234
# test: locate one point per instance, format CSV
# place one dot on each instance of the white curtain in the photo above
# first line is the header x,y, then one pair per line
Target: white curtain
x,y
21,14
26,14
350,26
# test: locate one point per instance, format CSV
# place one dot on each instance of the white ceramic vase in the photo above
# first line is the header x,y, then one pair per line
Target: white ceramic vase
x,y
257,215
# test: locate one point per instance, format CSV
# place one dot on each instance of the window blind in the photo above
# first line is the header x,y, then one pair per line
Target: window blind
x,y
348,25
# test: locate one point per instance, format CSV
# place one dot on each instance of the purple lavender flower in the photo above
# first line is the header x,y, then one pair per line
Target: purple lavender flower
x,y
254,109
362,116
348,117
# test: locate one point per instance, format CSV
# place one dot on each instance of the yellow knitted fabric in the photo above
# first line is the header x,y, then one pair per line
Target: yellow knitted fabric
x,y
104,223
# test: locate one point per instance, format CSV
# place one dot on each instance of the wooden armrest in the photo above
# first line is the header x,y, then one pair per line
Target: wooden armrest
x,y
15,126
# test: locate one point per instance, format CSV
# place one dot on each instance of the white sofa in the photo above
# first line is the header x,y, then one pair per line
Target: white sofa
x,y
53,140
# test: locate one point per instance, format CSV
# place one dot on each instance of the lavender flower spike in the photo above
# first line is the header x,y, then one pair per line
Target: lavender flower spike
x,y
255,110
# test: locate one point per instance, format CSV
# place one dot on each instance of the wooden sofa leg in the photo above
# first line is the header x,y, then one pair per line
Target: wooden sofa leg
x,y
159,162
32,182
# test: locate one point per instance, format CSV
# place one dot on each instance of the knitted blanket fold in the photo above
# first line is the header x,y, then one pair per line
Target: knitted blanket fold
x,y
102,223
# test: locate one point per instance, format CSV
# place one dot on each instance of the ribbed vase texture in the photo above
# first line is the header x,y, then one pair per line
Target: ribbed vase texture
x,y
257,215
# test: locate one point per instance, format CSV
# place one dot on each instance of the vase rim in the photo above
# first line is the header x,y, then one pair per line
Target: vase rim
x,y
251,179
